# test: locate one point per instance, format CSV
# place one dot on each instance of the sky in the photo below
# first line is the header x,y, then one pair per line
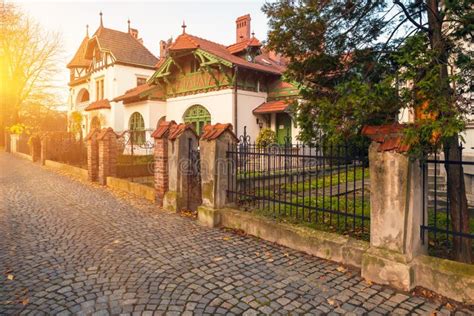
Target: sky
x,y
155,20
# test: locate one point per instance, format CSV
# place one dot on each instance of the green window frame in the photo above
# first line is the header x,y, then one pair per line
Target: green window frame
x,y
198,116
136,125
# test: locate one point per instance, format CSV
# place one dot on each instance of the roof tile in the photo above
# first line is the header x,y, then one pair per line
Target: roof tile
x,y
189,42
125,48
272,107
389,136
98,105
211,132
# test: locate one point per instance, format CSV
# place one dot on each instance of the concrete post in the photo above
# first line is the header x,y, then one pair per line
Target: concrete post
x,y
92,155
108,152
161,172
35,147
396,206
45,144
7,141
214,144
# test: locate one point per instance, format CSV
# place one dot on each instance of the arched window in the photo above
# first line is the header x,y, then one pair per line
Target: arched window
x,y
136,125
82,96
162,119
95,123
198,116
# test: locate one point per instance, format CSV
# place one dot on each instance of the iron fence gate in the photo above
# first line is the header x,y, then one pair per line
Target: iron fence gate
x,y
193,196
324,185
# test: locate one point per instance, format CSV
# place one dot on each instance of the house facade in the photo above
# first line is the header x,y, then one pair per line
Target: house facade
x,y
122,85
105,66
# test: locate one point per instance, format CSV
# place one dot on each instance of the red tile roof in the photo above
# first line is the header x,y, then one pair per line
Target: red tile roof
x,y
98,105
390,136
172,130
240,46
189,42
79,59
140,93
177,130
123,46
272,107
162,129
211,132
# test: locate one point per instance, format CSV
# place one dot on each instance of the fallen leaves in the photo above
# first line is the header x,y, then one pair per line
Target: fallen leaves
x,y
10,277
217,259
341,269
331,302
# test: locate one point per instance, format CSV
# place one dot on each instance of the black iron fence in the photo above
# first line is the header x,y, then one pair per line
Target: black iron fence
x,y
448,206
135,159
323,185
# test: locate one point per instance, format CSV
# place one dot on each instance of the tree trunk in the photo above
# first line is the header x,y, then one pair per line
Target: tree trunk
x,y
462,246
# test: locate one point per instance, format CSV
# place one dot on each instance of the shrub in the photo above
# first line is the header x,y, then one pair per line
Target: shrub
x,y
266,137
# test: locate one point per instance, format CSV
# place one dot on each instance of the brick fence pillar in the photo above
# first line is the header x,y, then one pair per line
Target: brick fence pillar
x,y
215,178
396,200
45,144
108,152
160,170
92,155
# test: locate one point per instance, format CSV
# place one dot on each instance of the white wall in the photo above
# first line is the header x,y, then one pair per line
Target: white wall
x,y
218,103
247,101
151,111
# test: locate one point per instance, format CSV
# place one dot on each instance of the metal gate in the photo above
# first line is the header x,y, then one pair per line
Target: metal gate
x,y
193,178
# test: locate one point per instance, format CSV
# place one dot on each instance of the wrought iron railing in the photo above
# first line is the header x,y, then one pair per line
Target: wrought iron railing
x,y
448,210
323,185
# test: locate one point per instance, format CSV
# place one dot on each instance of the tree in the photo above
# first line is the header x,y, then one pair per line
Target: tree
x,y
360,62
29,59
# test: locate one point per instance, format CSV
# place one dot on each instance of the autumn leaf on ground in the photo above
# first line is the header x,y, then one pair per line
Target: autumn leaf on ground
x,y
226,238
10,277
215,259
341,269
331,302
368,282
25,301
257,254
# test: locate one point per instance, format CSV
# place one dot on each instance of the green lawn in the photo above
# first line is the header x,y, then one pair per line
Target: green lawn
x,y
441,244
337,177
315,213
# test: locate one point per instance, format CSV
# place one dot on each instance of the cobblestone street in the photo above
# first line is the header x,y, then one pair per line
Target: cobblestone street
x,y
68,247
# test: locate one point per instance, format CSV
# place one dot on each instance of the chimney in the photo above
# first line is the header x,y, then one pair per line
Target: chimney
x,y
133,32
242,27
163,49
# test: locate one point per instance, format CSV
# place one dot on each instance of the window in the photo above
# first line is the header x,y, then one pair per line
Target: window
x,y
198,116
140,81
136,124
99,89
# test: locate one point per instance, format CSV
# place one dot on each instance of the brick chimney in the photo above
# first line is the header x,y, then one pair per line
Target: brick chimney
x,y
133,32
163,49
242,27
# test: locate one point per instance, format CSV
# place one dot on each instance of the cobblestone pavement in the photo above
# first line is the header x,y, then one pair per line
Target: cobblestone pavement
x,y
72,248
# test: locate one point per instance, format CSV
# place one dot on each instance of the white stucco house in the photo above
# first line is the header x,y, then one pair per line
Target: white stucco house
x,y
117,82
104,67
